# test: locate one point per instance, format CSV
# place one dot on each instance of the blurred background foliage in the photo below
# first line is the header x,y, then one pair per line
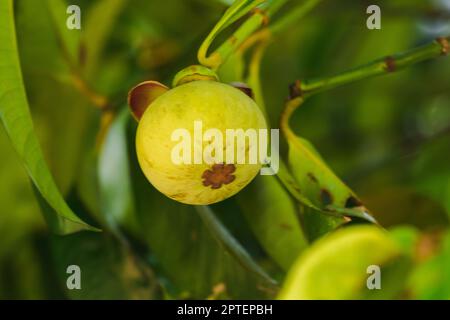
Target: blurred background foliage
x,y
388,138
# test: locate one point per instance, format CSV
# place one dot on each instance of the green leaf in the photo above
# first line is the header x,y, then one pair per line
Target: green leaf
x,y
335,267
189,261
16,118
229,243
62,116
69,40
431,279
269,210
273,218
320,184
100,21
116,194
16,197
108,270
431,172
406,237
315,222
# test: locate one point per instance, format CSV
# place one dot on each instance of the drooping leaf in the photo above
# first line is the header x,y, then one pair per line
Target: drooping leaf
x,y
336,266
17,120
315,222
273,217
18,207
61,114
267,207
315,181
189,260
320,184
230,244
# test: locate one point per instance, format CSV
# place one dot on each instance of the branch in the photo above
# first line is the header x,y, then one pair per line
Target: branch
x,y
386,65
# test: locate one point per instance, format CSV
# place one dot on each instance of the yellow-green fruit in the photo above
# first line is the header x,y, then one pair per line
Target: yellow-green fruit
x,y
216,105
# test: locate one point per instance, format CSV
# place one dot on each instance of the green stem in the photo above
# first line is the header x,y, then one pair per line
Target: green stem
x,y
258,19
299,91
266,34
386,65
254,79
237,10
246,30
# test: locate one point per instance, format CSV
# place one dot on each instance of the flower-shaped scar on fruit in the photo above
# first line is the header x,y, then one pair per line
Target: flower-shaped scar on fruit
x,y
198,143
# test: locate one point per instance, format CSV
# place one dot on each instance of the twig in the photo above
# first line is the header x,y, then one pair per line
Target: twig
x,y
98,100
386,65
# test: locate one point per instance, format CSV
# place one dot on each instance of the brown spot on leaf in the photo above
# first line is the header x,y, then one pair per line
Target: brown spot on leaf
x,y
218,175
295,90
428,245
286,226
82,54
296,188
352,202
445,45
326,197
233,40
390,64
312,177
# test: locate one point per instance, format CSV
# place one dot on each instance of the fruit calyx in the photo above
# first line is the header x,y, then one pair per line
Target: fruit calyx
x,y
194,73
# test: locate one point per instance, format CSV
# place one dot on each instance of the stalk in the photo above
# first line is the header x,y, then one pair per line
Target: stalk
x,y
438,48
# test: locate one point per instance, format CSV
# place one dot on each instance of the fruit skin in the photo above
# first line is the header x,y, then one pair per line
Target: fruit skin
x,y
217,105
